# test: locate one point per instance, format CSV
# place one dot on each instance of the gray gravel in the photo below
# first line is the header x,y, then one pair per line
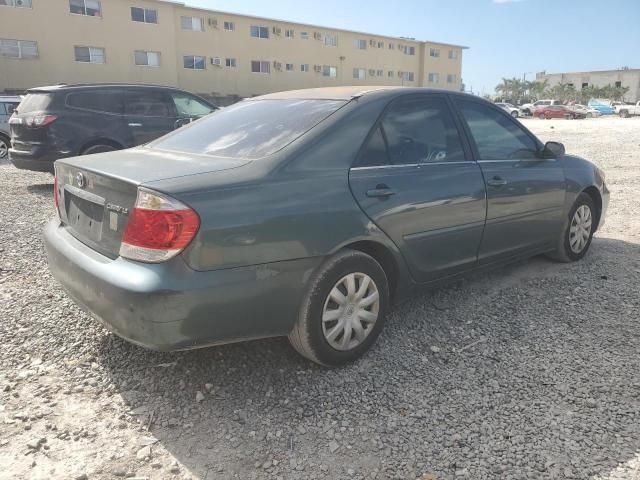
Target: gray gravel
x,y
528,372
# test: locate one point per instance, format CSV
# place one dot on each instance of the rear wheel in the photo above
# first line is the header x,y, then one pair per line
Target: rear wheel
x,y
542,116
624,113
578,230
343,311
4,146
100,148
514,114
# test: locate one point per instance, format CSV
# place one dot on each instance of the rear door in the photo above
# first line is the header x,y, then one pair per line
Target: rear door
x,y
149,114
416,181
525,193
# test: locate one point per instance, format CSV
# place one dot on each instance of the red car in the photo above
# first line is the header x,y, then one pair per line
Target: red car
x,y
557,111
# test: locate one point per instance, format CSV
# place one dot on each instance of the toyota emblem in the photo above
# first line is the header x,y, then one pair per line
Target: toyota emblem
x,y
80,180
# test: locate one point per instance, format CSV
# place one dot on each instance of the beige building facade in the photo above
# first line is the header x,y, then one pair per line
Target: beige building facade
x,y
624,77
207,52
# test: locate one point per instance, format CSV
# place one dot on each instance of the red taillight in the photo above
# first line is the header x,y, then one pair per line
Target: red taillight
x,y
56,197
39,121
159,228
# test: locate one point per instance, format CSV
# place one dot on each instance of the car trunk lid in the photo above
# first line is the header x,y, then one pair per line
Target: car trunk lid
x,y
97,192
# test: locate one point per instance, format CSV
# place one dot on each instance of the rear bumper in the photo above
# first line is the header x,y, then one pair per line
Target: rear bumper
x,y
169,306
38,159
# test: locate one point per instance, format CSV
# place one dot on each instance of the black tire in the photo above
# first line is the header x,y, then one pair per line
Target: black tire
x,y
100,148
563,252
5,144
514,114
624,113
542,116
307,336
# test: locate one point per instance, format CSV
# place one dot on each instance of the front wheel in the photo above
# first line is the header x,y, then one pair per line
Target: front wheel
x,y
578,230
343,311
542,116
514,114
100,148
4,147
624,113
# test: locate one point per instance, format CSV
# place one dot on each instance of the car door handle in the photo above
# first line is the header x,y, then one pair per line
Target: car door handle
x,y
496,181
135,124
381,191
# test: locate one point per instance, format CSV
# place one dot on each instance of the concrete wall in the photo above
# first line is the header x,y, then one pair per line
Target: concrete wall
x,y
628,78
57,31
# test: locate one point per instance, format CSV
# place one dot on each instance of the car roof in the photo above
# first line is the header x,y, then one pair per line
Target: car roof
x,y
344,93
10,98
62,86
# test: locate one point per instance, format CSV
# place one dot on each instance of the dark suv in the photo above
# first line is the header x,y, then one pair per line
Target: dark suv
x,y
68,120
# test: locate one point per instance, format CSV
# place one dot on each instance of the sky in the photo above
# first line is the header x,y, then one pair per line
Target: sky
x,y
506,38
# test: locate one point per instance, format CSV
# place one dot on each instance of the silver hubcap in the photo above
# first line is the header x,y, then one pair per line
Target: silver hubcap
x,y
580,229
350,311
4,149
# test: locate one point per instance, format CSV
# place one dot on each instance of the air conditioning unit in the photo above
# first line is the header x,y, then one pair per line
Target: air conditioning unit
x,y
217,61
317,68
317,35
213,22
277,30
277,65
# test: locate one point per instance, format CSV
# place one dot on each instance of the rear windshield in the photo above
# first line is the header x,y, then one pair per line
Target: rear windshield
x,y
251,129
34,102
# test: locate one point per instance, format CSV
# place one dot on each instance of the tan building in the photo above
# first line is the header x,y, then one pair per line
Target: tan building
x,y
203,51
624,77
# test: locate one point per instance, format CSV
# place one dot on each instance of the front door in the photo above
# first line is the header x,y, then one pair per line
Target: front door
x,y
149,114
415,181
525,193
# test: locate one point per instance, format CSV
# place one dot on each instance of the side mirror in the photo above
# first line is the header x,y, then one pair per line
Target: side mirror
x,y
181,122
553,150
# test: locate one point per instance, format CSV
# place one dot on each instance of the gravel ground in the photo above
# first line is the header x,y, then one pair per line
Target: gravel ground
x,y
528,372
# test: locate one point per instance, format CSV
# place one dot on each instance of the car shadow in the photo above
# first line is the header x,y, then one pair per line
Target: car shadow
x,y
41,189
530,371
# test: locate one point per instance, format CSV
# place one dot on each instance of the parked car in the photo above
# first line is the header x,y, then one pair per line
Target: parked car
x,y
307,213
68,120
513,111
628,110
530,108
603,108
558,111
588,111
7,105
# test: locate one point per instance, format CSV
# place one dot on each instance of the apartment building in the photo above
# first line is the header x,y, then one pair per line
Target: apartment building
x,y
203,51
623,77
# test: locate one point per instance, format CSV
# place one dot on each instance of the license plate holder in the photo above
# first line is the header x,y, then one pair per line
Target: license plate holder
x,y
84,215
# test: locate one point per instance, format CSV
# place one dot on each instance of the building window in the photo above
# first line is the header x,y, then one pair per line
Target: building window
x,y
434,52
390,73
434,77
408,76
16,3
258,66
289,33
289,67
229,26
360,44
380,44
194,62
195,24
304,35
217,61
451,78
617,84
329,71
391,46
144,15
259,32
147,59
230,62
379,73
89,54
18,48
90,8
453,54
304,67
331,40
409,50
359,73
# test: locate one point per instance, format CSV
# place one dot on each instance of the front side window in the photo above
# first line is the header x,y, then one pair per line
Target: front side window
x,y
144,15
90,8
195,24
22,49
194,62
11,107
359,73
97,100
421,131
16,3
496,135
250,129
89,54
260,66
188,106
141,103
259,32
147,59
329,71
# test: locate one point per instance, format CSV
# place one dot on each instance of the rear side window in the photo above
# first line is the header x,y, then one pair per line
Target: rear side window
x,y
105,101
496,135
250,129
35,102
149,103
